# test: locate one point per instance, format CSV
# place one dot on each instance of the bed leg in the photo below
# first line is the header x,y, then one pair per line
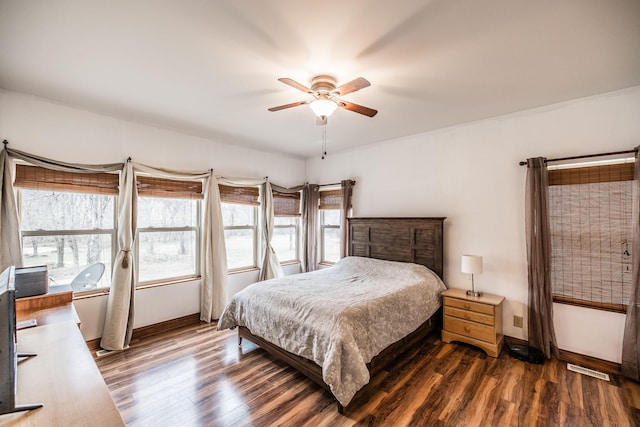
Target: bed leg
x,y
340,408
239,341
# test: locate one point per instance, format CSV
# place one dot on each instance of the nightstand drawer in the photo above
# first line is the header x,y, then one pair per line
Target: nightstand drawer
x,y
469,315
469,305
470,329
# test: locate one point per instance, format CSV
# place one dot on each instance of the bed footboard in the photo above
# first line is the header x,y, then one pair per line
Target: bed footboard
x,y
383,361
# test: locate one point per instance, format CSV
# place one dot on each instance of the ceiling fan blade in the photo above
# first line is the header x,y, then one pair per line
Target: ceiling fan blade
x,y
352,86
293,104
295,84
321,121
358,108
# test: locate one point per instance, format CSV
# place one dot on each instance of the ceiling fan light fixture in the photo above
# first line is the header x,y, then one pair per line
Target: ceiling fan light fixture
x,y
327,97
323,107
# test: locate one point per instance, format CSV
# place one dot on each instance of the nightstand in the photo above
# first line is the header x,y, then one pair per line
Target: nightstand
x,y
473,320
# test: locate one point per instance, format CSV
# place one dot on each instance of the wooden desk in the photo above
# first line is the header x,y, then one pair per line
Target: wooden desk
x,y
55,306
64,377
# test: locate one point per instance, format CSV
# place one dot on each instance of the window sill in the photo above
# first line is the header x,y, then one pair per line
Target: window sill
x,y
292,262
91,294
146,285
326,263
614,308
242,270
155,284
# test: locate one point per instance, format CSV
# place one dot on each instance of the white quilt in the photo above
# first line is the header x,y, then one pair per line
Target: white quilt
x,y
339,317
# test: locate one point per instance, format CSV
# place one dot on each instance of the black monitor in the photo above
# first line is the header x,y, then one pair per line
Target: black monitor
x,y
8,346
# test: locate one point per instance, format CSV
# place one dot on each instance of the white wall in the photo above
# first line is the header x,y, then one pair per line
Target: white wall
x,y
41,127
467,173
470,175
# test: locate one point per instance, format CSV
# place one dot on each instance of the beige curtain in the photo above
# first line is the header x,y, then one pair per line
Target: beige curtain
x,y
213,254
541,332
119,321
63,166
118,324
631,340
346,187
10,241
270,264
213,298
310,200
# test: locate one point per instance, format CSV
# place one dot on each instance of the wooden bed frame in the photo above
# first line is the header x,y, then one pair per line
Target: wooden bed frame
x,y
416,240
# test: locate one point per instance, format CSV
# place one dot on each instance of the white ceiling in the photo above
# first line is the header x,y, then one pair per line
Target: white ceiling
x,y
210,68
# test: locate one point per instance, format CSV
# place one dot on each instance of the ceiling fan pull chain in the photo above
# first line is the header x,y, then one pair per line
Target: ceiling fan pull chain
x,y
324,141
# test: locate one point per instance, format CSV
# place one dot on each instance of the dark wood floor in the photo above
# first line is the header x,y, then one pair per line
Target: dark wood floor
x,y
197,376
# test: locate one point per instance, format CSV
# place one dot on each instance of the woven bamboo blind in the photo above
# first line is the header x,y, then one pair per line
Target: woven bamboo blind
x,y
591,174
590,213
37,178
286,204
330,199
168,188
243,195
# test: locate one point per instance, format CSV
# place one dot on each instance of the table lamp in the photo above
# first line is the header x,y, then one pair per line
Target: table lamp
x,y
472,264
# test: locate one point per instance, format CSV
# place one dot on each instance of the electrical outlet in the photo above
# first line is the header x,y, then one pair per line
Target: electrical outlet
x,y
517,321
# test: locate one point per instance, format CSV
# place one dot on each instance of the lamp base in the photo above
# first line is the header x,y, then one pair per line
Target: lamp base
x,y
474,293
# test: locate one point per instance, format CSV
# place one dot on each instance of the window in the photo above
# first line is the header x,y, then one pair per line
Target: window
x,y
590,215
239,216
168,229
68,221
286,226
330,201
286,234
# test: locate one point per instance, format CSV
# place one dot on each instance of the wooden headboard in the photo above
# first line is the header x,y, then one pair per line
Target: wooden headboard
x,y
417,240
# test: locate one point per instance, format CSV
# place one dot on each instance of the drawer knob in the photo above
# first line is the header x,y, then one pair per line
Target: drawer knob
x,y
467,306
467,329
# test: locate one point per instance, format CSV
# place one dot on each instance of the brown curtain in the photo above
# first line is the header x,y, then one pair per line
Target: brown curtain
x,y
346,188
631,341
310,201
541,333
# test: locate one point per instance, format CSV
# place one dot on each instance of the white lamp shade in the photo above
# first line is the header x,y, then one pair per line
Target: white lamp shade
x,y
472,264
323,107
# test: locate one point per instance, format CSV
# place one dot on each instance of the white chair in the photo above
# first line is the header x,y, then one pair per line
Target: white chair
x,y
88,278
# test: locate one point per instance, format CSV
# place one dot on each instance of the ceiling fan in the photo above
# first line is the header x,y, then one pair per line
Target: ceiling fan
x,y
326,97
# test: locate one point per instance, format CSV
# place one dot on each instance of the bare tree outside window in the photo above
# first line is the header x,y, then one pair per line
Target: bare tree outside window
x,y
240,233
330,235
67,232
286,235
167,238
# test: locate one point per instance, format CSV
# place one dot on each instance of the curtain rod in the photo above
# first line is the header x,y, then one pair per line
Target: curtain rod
x,y
586,156
334,184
